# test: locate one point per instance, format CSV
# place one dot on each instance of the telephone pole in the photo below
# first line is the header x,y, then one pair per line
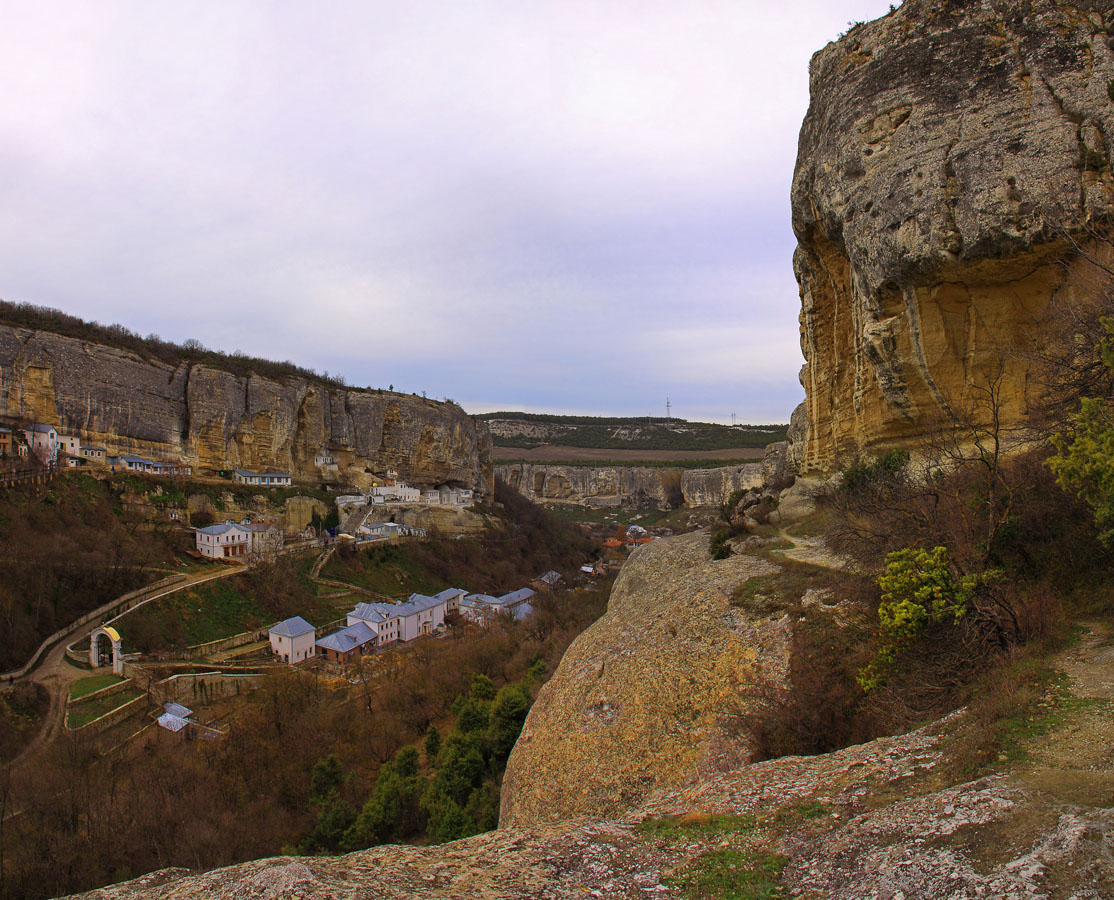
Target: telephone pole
x,y
668,411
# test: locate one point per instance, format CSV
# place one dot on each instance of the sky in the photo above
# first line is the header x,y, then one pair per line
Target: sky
x,y
565,206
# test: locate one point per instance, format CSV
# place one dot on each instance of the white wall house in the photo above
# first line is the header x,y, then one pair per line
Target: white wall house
x,y
263,479
380,618
223,541
43,442
267,538
68,443
292,640
451,597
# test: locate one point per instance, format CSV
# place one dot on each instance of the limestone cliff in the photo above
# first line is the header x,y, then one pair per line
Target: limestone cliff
x,y
629,486
947,150
215,419
645,697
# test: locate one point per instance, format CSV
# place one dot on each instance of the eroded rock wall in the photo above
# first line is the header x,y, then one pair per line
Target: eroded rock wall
x,y
947,150
629,486
216,420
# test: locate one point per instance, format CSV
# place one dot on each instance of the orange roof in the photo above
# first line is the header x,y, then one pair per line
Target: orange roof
x,y
612,542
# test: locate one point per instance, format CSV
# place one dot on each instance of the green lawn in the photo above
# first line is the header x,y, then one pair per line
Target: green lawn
x,y
83,713
84,686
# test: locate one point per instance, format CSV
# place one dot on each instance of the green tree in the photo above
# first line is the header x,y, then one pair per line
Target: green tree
x,y
432,744
508,713
483,688
919,587
1084,460
326,776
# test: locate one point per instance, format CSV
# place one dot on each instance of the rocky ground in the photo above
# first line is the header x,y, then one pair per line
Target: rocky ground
x,y
887,820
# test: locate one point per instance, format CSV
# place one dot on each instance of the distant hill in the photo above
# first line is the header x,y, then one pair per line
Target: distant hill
x,y
528,430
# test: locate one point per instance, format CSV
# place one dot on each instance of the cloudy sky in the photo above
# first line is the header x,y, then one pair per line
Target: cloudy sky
x,y
559,206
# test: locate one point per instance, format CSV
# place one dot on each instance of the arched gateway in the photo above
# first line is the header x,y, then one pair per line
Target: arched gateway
x,y
104,649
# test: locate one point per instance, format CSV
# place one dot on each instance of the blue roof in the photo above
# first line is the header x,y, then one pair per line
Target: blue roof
x,y
42,429
522,594
344,640
250,474
375,612
220,529
294,627
137,459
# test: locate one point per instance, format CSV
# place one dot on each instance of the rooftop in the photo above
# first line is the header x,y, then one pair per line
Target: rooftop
x,y
344,640
293,627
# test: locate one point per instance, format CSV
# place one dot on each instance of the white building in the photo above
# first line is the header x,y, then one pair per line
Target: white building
x,y
380,618
482,608
229,540
451,597
292,640
43,441
406,621
262,479
68,443
266,538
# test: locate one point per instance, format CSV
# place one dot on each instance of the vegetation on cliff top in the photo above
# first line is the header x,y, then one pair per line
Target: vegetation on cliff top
x,y
518,429
44,318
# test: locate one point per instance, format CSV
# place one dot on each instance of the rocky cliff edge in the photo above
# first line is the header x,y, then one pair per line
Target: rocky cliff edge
x,y
217,420
948,149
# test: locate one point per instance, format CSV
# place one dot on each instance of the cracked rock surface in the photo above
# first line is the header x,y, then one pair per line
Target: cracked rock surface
x,y
947,149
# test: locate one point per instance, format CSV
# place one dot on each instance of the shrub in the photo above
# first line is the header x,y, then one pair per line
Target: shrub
x,y
919,588
720,546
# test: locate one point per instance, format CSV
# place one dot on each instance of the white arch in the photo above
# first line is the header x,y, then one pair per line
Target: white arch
x,y
95,658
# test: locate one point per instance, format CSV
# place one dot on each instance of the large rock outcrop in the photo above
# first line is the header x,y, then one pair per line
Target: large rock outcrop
x,y
948,150
645,698
215,419
629,486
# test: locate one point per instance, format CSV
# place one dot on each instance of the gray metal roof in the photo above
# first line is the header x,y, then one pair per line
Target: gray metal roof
x,y
450,594
418,603
220,529
375,612
293,627
344,640
519,596
172,723
176,709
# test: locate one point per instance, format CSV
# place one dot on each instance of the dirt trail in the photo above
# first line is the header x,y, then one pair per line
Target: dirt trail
x,y
1075,760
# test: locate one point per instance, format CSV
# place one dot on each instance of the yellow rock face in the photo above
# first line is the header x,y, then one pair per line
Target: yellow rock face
x,y
644,698
216,420
948,151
